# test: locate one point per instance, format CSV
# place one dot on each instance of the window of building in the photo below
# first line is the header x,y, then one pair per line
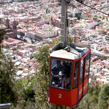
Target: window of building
x,y
75,80
61,73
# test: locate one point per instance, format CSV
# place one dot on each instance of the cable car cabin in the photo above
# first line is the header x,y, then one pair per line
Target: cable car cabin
x,y
69,76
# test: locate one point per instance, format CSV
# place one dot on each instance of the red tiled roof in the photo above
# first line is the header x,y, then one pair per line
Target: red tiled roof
x,y
11,41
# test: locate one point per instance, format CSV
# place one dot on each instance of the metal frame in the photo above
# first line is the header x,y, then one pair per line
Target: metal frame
x,y
7,105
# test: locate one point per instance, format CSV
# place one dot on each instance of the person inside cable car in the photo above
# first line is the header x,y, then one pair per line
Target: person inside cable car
x,y
67,66
65,79
75,83
55,72
60,73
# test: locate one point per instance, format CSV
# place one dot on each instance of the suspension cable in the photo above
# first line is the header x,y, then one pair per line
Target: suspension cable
x,y
70,4
93,8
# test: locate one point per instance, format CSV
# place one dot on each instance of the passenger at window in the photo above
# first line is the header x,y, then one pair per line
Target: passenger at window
x,y
64,81
67,66
55,72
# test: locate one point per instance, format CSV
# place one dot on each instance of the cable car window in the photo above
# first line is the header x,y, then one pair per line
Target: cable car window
x,y
81,70
75,80
61,73
87,66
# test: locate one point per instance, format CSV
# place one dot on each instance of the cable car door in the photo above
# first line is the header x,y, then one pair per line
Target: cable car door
x,y
86,73
81,79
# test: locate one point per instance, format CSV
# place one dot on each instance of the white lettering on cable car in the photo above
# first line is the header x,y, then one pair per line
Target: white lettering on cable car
x,y
60,96
83,88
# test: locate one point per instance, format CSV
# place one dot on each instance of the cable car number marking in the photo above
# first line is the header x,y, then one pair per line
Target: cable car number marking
x,y
60,96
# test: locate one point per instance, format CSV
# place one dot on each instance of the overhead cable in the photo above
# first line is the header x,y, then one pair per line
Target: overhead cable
x,y
92,7
70,4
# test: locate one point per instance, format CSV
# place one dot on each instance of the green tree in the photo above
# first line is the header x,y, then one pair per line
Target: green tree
x,y
86,19
70,39
7,91
42,78
7,83
96,92
55,41
86,102
89,15
104,97
95,16
2,3
25,89
2,33
79,17
24,40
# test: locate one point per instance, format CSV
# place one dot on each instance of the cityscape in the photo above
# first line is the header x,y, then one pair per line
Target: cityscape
x,y
31,24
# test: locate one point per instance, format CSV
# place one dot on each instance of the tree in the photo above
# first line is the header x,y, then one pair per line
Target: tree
x,y
2,3
42,78
2,33
7,91
25,89
7,83
86,102
86,19
24,40
55,41
95,16
79,17
70,39
104,97
96,92
89,15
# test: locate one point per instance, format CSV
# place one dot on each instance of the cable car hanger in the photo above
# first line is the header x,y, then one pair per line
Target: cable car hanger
x,y
64,26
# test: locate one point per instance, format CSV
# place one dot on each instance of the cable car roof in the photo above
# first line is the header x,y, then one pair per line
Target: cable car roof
x,y
74,53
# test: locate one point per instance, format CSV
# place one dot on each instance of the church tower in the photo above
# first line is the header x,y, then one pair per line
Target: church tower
x,y
7,23
15,29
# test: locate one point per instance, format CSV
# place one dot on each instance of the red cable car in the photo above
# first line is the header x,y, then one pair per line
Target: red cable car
x,y
69,75
69,68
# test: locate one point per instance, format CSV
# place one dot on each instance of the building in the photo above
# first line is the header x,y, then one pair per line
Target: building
x,y
55,21
11,31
